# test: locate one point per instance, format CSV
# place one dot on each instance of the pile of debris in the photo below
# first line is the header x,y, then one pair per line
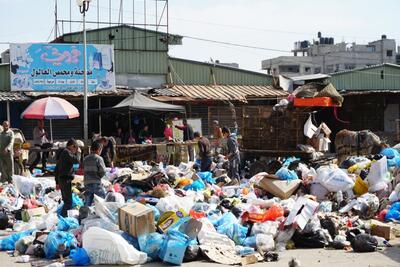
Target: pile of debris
x,y
176,214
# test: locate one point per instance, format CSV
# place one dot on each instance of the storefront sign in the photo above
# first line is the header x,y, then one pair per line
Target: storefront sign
x,y
59,67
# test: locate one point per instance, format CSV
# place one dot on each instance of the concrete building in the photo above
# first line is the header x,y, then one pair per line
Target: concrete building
x,y
324,56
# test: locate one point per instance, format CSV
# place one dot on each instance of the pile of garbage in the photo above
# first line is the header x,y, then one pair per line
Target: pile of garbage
x,y
175,214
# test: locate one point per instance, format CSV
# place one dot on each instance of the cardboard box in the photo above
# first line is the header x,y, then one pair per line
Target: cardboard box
x,y
382,230
136,219
279,188
36,212
302,212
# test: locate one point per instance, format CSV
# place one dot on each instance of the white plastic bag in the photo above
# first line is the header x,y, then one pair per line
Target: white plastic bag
x,y
265,242
174,203
104,247
334,179
266,228
309,128
376,176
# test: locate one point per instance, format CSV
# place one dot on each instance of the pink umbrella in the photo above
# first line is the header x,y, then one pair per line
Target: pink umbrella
x,y
50,108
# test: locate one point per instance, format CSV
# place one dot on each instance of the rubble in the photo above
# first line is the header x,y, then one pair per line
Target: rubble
x,y
176,214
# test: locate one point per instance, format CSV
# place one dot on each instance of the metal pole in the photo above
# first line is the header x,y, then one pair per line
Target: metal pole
x,y
8,112
100,115
51,131
85,88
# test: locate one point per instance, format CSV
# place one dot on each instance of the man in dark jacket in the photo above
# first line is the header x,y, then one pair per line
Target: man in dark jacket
x,y
187,136
233,155
65,173
204,152
108,152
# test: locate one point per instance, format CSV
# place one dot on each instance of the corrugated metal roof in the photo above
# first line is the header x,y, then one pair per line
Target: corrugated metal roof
x,y
13,96
310,77
221,92
366,67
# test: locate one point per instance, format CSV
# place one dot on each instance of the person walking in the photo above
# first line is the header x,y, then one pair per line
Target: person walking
x,y
6,153
41,142
233,155
65,173
94,170
204,152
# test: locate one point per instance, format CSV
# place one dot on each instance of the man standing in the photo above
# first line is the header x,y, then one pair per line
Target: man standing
x,y
108,152
204,152
94,170
65,173
6,153
217,135
233,154
40,141
187,136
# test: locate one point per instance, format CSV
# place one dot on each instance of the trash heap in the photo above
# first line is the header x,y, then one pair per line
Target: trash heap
x,y
175,214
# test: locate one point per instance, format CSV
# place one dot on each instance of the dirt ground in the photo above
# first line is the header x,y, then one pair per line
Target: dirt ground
x,y
388,257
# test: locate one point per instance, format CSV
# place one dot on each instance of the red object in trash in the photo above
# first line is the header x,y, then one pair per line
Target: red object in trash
x,y
196,215
272,214
117,188
314,102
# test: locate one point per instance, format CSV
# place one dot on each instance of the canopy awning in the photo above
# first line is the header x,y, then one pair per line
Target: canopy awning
x,y
140,103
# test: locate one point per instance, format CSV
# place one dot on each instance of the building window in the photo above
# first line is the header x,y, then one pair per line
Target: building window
x,y
349,66
317,70
289,69
307,69
389,53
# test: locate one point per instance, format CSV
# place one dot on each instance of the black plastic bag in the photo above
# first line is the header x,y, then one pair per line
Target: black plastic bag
x,y
330,225
191,253
314,239
3,221
364,243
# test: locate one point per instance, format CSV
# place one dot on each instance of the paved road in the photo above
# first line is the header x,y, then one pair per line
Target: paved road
x,y
389,257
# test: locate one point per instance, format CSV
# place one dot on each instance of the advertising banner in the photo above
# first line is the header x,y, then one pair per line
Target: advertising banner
x,y
59,67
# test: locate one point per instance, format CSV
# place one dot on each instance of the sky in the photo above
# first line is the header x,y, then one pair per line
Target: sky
x,y
269,25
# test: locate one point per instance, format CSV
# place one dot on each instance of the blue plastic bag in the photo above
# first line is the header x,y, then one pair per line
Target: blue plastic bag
x,y
393,213
131,240
66,224
392,155
234,231
289,160
151,244
76,202
206,177
227,218
8,243
79,257
173,247
156,212
55,239
286,174
197,185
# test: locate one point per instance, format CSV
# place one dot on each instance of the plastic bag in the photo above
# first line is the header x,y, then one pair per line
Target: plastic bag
x,y
99,222
364,243
156,212
66,224
393,213
104,247
267,228
206,177
272,214
310,240
234,231
76,202
151,244
173,247
334,179
23,243
174,203
265,243
197,185
286,174
309,128
79,257
56,240
115,197
8,243
108,211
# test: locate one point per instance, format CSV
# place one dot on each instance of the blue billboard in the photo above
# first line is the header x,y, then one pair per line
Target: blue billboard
x,y
59,67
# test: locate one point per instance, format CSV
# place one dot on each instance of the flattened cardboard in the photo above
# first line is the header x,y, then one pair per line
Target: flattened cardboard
x,y
29,213
279,188
382,230
136,219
